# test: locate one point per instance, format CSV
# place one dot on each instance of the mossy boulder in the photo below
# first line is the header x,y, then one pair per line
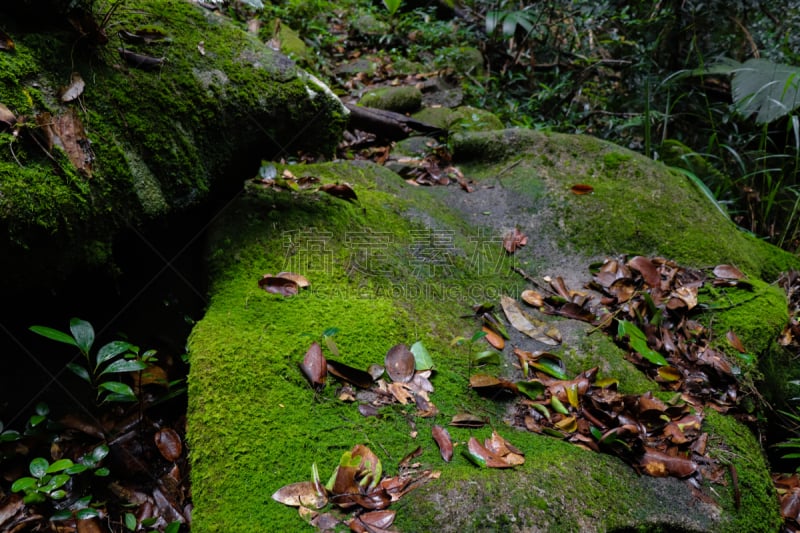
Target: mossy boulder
x,y
175,102
405,264
402,99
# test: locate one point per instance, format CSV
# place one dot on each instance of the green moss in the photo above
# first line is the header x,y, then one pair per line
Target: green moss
x,y
738,447
402,99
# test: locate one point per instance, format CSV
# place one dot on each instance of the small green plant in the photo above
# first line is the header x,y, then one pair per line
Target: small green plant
x,y
46,479
116,357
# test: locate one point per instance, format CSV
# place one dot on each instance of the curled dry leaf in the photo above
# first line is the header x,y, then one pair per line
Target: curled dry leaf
x,y
301,280
279,285
168,443
647,269
493,338
74,89
734,340
728,272
513,240
378,519
7,118
5,41
400,363
660,464
141,61
340,190
303,493
532,298
442,438
467,420
314,366
581,188
534,328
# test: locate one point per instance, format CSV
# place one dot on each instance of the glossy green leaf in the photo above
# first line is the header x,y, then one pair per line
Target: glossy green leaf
x,y
53,334
87,513
42,409
478,335
57,481
558,407
638,341
117,388
422,358
102,472
35,420
58,466
542,409
531,389
83,332
123,365
487,357
174,527
23,483
549,367
58,516
130,521
80,371
38,467
9,436
112,350
99,453
77,468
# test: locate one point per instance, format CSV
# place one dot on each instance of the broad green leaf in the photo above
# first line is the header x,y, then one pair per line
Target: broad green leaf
x,y
23,483
549,367
130,521
174,527
77,468
58,481
123,365
558,407
53,334
38,467
113,349
83,332
531,389
80,371
34,497
87,513
117,388
58,466
9,436
99,453
478,335
487,357
102,472
58,516
422,359
35,420
58,494
767,89
648,353
119,398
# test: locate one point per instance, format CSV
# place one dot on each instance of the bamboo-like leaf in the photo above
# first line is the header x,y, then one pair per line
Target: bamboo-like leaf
x,y
53,334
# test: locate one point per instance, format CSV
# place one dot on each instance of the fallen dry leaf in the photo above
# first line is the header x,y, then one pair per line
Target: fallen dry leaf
x,y
443,441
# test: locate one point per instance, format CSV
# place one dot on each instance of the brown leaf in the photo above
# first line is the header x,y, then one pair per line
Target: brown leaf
x,y
442,438
314,366
305,493
647,269
486,384
405,462
74,89
401,392
7,118
302,281
340,190
532,298
141,61
5,41
467,420
66,131
379,519
278,285
735,341
728,272
494,338
489,458
400,363
581,188
513,240
660,464
169,444
90,525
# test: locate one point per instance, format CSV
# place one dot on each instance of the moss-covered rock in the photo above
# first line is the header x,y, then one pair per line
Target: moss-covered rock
x,y
405,264
178,100
402,99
